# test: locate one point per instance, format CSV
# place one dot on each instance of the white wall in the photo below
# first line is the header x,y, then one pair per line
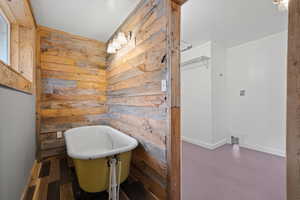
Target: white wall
x,y
218,92
212,108
196,103
202,96
259,67
196,119
201,50
17,141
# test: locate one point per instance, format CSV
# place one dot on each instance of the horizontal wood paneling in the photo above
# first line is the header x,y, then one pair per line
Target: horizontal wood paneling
x,y
136,104
77,89
72,84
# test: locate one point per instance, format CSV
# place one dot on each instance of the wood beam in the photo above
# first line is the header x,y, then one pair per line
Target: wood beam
x,y
293,103
173,135
18,12
18,74
11,78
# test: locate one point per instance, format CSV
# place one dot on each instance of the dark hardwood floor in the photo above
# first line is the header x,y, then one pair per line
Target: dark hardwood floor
x,y
55,179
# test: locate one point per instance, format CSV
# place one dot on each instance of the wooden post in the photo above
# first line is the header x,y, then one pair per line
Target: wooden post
x,y
174,136
293,103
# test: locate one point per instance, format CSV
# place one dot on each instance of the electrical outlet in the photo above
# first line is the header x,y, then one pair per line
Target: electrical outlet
x,y
235,140
59,134
242,93
163,85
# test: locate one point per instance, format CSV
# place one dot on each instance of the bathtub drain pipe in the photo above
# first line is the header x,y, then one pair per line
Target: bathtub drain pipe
x,y
114,178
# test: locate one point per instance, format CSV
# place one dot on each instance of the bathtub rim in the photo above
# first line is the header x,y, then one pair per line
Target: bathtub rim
x,y
132,144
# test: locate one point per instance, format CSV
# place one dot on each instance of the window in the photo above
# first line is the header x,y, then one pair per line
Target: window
x,y
4,39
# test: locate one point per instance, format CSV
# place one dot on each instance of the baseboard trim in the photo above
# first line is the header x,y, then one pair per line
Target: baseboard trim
x,y
267,150
210,146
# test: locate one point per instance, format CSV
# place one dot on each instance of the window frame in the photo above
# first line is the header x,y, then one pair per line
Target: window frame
x,y
8,37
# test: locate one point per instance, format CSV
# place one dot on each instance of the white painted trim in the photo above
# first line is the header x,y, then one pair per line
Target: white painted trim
x,y
268,150
210,146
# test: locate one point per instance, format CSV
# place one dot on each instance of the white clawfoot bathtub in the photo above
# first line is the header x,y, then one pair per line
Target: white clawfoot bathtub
x,y
90,148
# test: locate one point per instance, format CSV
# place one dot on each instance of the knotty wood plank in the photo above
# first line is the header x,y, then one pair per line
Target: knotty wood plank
x,y
30,193
49,89
155,39
58,97
37,192
50,144
293,103
64,171
153,88
15,42
27,47
46,113
91,85
78,55
149,183
173,136
136,191
52,152
54,170
48,30
64,126
12,79
57,60
71,68
74,119
66,192
35,173
43,189
154,113
147,140
53,190
38,93
149,100
140,156
70,104
147,61
45,170
137,80
22,12
73,76
8,13
157,126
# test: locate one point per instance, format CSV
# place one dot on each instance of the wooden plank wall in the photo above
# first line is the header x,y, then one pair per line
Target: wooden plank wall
x,y
72,86
136,103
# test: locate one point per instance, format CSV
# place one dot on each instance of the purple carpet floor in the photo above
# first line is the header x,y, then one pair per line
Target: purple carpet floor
x,y
231,174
